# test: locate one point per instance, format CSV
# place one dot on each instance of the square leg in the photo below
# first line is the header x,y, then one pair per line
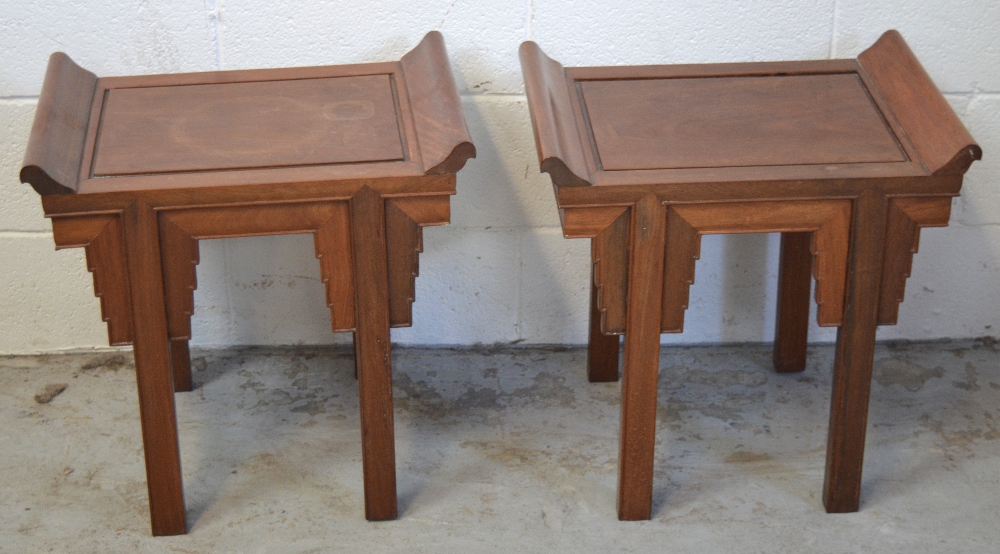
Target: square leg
x,y
152,350
602,350
180,365
372,354
642,357
852,366
791,331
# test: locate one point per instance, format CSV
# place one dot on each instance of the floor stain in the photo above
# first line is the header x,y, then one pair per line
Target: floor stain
x,y
896,371
956,442
971,383
295,369
547,389
747,457
109,362
676,377
480,401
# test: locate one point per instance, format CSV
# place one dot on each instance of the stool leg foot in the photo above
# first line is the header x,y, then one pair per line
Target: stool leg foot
x,y
180,364
852,369
602,350
792,323
642,349
153,375
372,354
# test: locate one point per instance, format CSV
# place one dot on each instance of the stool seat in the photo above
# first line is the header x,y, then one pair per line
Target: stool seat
x,y
137,169
848,159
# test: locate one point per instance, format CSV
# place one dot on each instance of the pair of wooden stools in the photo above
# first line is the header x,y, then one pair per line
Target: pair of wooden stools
x,y
846,158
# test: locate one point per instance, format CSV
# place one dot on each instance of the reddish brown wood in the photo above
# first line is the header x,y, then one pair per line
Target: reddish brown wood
x,y
180,279
336,256
148,165
354,340
263,124
943,143
55,148
371,344
906,216
602,350
252,192
683,248
403,263
560,151
153,374
846,158
425,210
106,260
437,110
828,220
609,256
423,108
852,366
589,221
180,365
641,360
608,295
767,120
791,331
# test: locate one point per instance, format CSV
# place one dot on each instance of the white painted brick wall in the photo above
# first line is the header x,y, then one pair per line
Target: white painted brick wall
x,y
502,271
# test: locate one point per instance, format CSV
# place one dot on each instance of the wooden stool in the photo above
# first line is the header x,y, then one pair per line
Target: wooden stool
x,y
848,159
138,169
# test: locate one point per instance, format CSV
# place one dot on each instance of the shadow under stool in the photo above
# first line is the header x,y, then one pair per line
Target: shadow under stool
x,y
847,159
137,169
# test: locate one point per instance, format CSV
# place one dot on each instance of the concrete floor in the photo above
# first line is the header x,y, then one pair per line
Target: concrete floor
x,y
506,450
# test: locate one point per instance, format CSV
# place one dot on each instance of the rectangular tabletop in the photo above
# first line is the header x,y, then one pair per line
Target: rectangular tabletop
x,y
762,122
246,125
736,121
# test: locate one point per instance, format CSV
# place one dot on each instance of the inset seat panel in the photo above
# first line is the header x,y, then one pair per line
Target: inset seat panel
x,y
184,128
737,121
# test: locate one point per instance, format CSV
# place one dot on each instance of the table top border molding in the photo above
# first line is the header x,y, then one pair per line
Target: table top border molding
x,y
927,130
62,142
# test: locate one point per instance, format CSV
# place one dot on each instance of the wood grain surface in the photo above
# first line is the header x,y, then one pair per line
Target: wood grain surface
x,y
791,332
371,353
608,296
641,360
557,139
248,125
736,122
55,146
945,146
445,144
907,215
154,377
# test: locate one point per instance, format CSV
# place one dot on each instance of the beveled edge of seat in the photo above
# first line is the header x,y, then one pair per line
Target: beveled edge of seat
x,y
55,152
557,140
942,142
442,134
55,145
